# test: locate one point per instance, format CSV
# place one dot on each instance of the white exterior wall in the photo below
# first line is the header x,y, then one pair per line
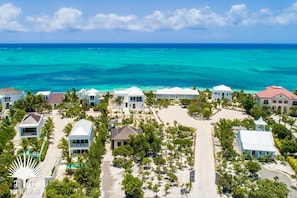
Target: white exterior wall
x,y
79,146
13,99
128,100
278,102
221,94
37,126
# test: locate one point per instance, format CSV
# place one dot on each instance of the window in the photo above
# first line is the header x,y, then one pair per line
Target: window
x,y
7,99
286,102
294,103
92,97
274,101
280,101
119,143
265,101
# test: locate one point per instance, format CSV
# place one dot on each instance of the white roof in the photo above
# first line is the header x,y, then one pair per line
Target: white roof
x,y
90,92
257,140
178,91
82,127
261,122
132,91
44,93
222,88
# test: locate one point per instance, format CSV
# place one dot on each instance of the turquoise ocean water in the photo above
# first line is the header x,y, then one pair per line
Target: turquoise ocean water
x,y
59,67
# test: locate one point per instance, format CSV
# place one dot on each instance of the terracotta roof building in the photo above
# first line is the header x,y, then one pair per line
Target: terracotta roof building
x,y
278,98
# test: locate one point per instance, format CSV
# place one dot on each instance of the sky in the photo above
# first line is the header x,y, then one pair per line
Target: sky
x,y
148,21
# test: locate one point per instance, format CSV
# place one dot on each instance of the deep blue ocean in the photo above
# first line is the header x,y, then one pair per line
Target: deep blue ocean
x,y
59,67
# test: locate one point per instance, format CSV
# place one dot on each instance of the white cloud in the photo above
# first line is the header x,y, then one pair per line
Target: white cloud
x,y
63,19
237,15
8,14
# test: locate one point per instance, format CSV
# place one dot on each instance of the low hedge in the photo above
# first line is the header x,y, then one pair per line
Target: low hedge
x,y
293,163
278,143
44,150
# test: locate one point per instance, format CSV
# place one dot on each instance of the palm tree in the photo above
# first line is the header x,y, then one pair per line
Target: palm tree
x,y
119,100
48,127
63,144
69,163
67,129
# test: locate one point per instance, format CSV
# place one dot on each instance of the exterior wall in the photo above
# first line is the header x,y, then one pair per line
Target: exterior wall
x,y
131,103
36,126
117,143
74,147
219,95
93,100
280,102
11,99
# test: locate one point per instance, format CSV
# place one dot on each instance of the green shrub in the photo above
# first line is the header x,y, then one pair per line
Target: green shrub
x,y
43,152
118,162
277,143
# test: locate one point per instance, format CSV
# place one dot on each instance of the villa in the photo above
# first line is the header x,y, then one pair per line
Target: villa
x,y
119,136
81,137
92,96
177,93
31,125
53,98
258,142
220,92
133,99
8,96
277,98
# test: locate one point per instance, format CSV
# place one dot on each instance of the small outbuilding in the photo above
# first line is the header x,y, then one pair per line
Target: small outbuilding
x,y
119,136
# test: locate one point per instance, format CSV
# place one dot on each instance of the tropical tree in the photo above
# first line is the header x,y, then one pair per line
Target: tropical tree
x,y
253,166
63,144
150,98
268,188
48,128
132,186
119,100
67,129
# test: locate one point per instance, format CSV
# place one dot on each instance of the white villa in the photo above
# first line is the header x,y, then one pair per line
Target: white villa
x,y
119,136
177,93
256,142
133,99
30,127
92,96
220,92
8,96
277,98
81,137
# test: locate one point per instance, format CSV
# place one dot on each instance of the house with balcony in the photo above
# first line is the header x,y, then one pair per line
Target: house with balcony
x,y
278,98
31,125
81,137
133,99
119,136
220,92
177,93
53,98
91,95
8,96
258,142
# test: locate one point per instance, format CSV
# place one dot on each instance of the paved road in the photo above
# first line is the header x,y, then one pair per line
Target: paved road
x,y
35,187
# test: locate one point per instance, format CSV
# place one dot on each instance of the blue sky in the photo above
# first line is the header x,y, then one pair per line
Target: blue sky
x,y
141,21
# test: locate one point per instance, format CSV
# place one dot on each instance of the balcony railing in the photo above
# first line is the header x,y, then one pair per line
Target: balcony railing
x,y
29,134
79,145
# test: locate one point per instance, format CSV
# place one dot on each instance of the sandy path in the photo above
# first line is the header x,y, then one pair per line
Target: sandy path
x,y
204,185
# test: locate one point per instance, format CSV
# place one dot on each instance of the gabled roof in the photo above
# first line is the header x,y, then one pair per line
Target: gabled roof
x,y
273,91
132,91
222,88
124,132
82,127
56,98
90,92
178,91
10,91
256,140
260,122
31,119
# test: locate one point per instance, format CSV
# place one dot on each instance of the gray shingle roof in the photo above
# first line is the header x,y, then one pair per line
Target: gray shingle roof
x,y
123,133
